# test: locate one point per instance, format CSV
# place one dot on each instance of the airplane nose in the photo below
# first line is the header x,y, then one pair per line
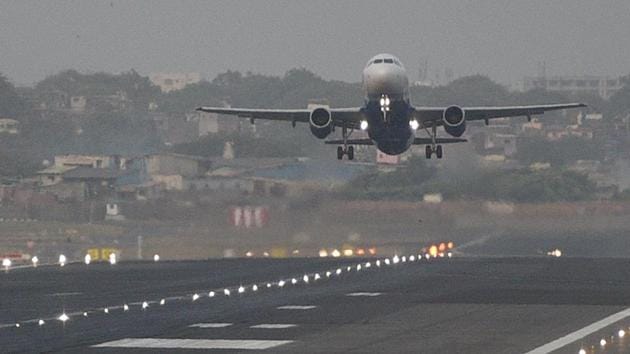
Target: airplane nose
x,y
383,80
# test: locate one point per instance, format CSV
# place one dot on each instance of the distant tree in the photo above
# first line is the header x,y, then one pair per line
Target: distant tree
x,y
620,101
11,104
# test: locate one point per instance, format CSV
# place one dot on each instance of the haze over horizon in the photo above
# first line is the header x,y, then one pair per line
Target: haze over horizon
x,y
332,39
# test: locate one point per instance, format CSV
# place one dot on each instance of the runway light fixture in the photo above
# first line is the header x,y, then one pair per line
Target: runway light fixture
x,y
211,294
226,292
85,314
323,253
602,342
35,260
317,277
268,285
17,325
449,255
404,259
338,271
293,281
41,322
87,259
412,258
582,351
125,307
368,265
305,279
396,259
378,263
195,297
413,124
386,261
156,257
363,125
106,310
255,287
63,317
162,302
328,274
62,260
145,305
241,289
335,253
281,283
621,333
358,267
348,269
112,258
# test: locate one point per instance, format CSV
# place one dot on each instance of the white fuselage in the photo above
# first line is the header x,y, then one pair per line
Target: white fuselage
x,y
384,75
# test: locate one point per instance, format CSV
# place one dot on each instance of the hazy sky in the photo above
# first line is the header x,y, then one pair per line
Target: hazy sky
x,y
503,39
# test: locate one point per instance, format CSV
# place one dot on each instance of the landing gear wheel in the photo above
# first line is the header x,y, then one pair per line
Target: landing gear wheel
x,y
339,153
438,151
350,153
428,151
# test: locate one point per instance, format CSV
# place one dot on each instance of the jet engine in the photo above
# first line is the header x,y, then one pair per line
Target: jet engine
x,y
454,119
321,122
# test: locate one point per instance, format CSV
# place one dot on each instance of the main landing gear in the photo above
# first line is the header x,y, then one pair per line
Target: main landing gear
x,y
431,149
434,147
349,151
345,149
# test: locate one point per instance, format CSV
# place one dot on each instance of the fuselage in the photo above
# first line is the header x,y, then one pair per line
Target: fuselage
x,y
387,108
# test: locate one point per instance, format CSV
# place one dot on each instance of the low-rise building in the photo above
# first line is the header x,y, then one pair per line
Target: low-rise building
x,y
174,81
8,126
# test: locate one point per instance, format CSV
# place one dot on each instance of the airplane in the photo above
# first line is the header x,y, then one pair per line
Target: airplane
x,y
388,117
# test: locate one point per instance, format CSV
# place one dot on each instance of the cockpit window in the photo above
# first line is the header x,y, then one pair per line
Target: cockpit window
x,y
378,61
389,61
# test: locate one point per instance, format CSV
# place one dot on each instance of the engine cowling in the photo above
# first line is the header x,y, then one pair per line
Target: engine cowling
x,y
454,119
321,122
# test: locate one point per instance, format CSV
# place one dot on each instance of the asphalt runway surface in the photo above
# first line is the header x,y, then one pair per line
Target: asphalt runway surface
x,y
458,305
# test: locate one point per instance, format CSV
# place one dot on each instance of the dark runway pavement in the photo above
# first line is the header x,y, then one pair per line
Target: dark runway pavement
x,y
458,305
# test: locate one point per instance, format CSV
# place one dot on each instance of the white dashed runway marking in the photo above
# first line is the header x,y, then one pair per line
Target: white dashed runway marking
x,y
163,343
274,325
296,307
364,294
210,325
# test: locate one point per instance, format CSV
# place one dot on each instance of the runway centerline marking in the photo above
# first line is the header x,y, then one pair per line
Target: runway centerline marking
x,y
296,307
364,294
581,333
164,343
65,294
274,325
210,325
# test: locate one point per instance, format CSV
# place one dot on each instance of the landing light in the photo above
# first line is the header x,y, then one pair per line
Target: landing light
x,y
363,125
602,342
621,333
582,351
414,124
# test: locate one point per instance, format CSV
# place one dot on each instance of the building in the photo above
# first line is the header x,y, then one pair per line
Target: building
x,y
174,81
602,86
9,126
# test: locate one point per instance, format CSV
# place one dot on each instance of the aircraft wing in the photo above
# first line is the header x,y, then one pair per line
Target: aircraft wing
x,y
434,114
349,117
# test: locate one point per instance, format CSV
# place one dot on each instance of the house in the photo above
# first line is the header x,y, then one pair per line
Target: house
x,y
52,175
174,81
96,183
8,126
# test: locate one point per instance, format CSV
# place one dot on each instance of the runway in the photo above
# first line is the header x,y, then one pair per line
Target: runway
x,y
320,305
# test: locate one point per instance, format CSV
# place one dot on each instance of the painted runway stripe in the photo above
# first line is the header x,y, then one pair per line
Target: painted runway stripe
x,y
163,343
274,325
581,333
364,294
210,325
296,307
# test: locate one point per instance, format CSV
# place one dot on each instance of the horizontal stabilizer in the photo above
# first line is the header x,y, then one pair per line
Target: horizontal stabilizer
x,y
351,142
428,141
